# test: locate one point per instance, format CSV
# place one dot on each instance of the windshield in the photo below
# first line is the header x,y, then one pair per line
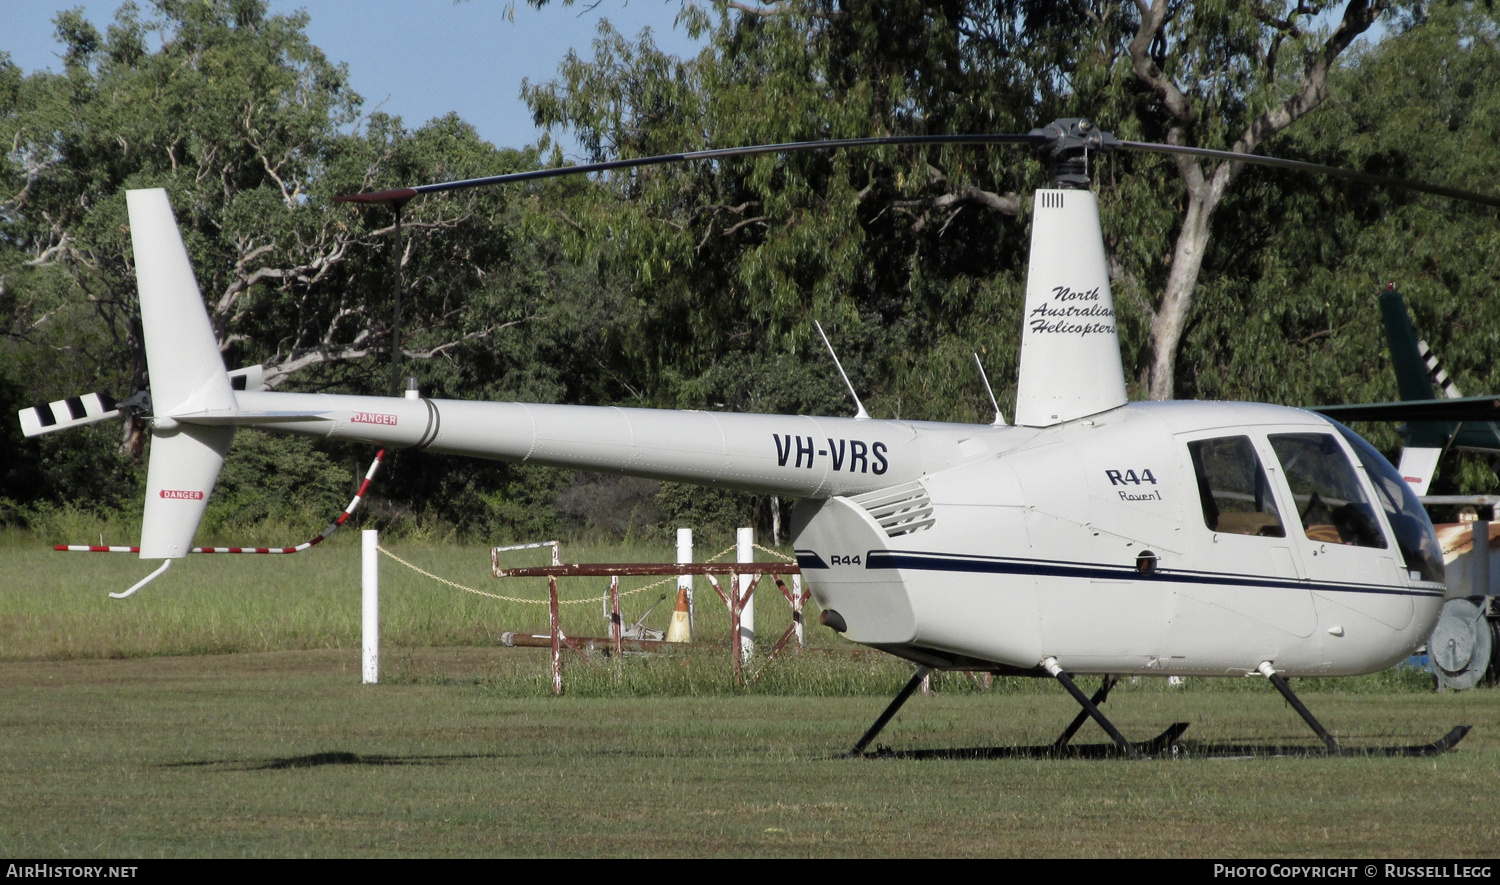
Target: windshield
x,y
1414,533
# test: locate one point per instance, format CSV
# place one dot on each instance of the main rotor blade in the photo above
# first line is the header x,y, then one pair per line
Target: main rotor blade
x,y
406,193
1302,166
1468,409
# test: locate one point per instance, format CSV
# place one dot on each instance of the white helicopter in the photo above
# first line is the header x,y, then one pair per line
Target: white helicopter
x,y
1091,536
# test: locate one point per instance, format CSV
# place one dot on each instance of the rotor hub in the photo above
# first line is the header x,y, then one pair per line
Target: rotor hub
x,y
1069,141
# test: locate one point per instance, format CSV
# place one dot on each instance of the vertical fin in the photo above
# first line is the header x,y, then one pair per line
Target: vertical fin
x,y
1070,349
1412,380
1406,356
1417,467
187,375
182,354
185,463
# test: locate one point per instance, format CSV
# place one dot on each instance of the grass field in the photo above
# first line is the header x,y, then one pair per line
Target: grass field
x,y
219,713
285,754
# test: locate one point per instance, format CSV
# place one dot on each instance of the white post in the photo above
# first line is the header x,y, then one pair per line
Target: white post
x,y
797,607
685,582
370,604
745,552
1481,557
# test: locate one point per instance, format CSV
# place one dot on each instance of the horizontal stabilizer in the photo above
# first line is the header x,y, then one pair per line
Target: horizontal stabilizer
x,y
75,411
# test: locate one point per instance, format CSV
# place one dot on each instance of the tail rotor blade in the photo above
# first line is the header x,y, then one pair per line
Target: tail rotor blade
x,y
75,411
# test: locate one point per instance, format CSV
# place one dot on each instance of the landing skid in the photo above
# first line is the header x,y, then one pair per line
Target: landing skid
x,y
1163,744
1166,743
1438,747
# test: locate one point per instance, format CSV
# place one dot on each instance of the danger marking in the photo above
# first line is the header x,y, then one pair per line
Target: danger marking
x,y
182,494
374,418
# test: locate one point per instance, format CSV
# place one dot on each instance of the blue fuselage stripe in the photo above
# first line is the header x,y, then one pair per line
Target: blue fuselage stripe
x,y
888,559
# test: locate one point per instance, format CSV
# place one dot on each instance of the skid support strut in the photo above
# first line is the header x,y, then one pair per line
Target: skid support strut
x,y
1099,697
890,710
1051,666
1270,673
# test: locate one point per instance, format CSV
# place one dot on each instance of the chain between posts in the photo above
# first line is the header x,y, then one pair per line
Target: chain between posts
x,y
734,599
457,586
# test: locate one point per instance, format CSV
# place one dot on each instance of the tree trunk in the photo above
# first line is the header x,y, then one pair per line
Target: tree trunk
x,y
1176,304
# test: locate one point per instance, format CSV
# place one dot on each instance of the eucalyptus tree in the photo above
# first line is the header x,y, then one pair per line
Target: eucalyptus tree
x,y
252,130
909,252
1300,324
914,245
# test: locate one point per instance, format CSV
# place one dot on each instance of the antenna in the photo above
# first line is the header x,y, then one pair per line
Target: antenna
x,y
999,418
858,405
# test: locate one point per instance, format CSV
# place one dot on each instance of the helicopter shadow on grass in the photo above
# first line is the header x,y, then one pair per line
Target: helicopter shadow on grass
x,y
333,757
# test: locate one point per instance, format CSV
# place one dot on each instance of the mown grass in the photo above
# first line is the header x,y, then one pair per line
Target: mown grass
x,y
286,755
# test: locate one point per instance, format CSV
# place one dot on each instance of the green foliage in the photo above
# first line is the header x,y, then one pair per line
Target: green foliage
x,y
277,479
731,261
252,131
1291,314
696,286
706,511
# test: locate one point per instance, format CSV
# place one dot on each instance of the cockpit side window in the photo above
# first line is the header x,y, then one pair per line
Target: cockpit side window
x,y
1233,489
1330,501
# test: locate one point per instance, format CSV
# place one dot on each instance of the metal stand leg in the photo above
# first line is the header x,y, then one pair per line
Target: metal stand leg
x,y
1307,716
1051,666
1099,697
890,710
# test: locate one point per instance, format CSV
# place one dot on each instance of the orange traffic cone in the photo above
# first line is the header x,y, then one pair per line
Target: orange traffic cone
x,y
681,629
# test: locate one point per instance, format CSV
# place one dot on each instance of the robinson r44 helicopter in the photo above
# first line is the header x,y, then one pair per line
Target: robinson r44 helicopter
x,y
1091,536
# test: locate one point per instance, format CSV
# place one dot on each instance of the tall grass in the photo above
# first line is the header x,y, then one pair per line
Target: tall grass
x,y
55,606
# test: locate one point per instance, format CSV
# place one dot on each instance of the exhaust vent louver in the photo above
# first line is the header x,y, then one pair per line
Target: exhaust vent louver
x,y
900,510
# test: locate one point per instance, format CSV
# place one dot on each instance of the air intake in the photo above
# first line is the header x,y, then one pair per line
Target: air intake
x,y
900,510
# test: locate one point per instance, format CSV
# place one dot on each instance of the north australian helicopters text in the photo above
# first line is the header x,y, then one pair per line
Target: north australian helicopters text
x,y
1052,316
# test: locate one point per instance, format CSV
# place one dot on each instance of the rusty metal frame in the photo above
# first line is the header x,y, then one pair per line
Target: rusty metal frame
x,y
734,599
